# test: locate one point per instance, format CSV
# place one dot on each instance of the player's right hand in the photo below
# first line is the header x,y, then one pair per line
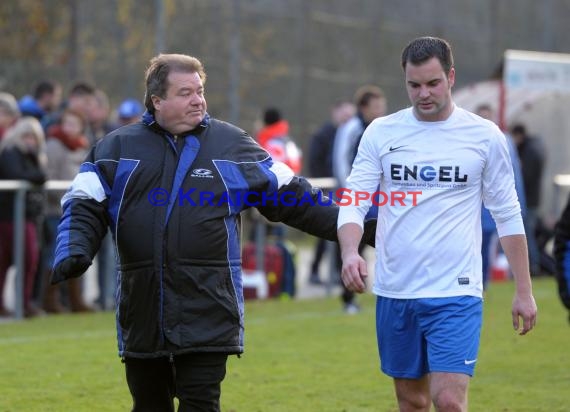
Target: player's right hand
x,y
354,272
524,313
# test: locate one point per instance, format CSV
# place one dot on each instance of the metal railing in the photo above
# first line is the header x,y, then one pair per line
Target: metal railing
x,y
20,187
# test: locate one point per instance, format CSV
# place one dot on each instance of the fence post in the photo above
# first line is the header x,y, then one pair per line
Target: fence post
x,y
334,275
18,250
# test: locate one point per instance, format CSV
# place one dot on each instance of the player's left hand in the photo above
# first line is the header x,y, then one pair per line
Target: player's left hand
x,y
524,307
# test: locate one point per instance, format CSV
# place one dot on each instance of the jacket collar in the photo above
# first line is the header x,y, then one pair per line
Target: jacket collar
x,y
149,120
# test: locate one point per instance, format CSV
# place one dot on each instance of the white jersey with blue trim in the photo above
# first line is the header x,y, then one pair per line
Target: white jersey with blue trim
x,y
433,177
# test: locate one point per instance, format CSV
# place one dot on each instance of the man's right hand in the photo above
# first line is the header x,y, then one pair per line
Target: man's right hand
x,y
354,272
72,267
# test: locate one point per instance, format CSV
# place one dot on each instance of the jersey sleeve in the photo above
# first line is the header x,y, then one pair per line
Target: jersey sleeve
x,y
499,194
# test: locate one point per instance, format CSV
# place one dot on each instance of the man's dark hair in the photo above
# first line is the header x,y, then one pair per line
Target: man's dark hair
x,y
82,89
483,106
366,93
518,129
271,116
44,87
422,49
156,76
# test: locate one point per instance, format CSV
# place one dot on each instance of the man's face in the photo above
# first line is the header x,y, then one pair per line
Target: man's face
x,y
99,113
376,107
429,90
342,113
31,142
84,104
52,101
6,119
72,125
184,106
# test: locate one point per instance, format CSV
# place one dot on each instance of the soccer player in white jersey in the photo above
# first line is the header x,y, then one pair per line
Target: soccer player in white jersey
x,y
428,267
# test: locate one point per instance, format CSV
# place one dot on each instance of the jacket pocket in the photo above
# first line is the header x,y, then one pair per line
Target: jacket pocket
x,y
205,307
138,310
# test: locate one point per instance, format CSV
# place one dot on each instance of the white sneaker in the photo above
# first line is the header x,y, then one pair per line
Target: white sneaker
x,y
351,308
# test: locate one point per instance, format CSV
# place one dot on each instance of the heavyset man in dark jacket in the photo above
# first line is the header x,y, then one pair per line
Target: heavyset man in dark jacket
x,y
172,188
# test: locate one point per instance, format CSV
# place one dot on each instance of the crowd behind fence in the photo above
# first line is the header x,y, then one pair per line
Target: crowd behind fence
x,y
560,182
20,187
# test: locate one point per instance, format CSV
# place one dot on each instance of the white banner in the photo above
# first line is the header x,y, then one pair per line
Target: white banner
x,y
537,70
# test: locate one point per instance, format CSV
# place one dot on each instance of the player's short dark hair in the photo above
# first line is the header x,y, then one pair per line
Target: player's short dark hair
x,y
422,49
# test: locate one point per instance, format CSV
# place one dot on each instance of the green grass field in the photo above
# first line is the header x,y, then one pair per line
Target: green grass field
x,y
300,356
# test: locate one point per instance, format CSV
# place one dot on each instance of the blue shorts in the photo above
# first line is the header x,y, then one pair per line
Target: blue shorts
x,y
419,336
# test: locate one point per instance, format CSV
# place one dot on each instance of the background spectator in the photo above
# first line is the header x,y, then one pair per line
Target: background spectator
x,y
82,99
100,126
66,149
274,137
370,104
129,111
22,157
9,112
320,165
488,226
98,119
533,158
45,99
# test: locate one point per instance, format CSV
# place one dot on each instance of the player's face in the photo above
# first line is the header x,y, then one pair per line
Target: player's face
x,y
184,106
429,90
